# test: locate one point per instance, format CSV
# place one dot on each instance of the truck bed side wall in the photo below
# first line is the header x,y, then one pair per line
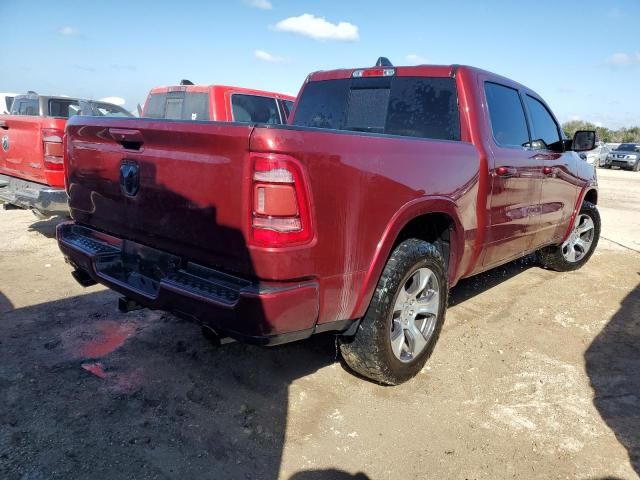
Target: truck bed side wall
x,y
363,193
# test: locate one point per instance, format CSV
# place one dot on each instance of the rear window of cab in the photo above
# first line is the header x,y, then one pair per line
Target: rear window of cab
x,y
424,107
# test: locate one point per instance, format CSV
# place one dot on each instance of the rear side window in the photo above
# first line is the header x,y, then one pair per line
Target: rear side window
x,y
423,107
178,106
508,122
25,106
254,109
62,107
288,106
543,126
9,101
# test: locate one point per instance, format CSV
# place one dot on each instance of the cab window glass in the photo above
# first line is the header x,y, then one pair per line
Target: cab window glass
x,y
254,109
543,125
508,122
25,106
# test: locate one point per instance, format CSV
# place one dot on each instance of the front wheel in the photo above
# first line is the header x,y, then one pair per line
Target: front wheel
x,y
402,324
580,245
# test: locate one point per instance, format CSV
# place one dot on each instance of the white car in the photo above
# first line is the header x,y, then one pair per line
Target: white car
x,y
6,100
598,156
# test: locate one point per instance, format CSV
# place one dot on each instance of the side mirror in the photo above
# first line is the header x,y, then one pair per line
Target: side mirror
x,y
583,141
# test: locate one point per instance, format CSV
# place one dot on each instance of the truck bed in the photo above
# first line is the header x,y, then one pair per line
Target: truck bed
x,y
193,198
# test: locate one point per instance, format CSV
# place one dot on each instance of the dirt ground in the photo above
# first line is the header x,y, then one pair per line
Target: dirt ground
x,y
536,375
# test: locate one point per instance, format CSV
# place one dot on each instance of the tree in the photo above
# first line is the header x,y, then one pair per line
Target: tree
x,y
627,135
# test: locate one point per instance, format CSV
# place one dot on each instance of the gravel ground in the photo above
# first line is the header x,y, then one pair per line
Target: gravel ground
x,y
536,375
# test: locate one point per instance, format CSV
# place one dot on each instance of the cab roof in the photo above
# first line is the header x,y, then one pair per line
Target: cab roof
x,y
207,88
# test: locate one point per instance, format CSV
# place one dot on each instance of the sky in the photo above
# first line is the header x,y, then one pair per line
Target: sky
x,y
582,57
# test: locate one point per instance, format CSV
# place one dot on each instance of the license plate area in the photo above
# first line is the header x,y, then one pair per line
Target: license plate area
x,y
140,268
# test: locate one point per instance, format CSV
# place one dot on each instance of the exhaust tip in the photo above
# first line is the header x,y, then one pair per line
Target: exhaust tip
x,y
211,335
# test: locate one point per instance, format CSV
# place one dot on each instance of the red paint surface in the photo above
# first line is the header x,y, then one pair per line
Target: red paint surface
x,y
25,157
95,368
110,336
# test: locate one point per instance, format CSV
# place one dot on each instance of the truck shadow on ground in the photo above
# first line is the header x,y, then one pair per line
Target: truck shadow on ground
x,y
91,392
47,227
613,365
468,288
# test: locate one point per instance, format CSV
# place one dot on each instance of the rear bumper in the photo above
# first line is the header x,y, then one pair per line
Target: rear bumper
x,y
25,194
267,313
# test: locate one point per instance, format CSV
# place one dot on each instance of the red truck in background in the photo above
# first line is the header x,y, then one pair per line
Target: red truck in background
x,y
31,161
218,103
388,186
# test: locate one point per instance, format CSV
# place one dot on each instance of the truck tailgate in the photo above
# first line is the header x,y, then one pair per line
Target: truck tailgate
x,y
176,186
22,153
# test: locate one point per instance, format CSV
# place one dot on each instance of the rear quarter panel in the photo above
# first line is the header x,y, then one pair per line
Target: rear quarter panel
x,y
363,189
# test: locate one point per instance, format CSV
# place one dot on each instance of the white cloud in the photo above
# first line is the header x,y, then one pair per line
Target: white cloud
x,y
267,57
261,4
624,59
415,59
67,31
318,28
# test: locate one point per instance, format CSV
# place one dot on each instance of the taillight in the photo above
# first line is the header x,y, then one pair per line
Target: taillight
x,y
280,213
53,148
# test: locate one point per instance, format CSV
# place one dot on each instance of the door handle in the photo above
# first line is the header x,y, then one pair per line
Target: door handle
x,y
506,171
3,125
129,139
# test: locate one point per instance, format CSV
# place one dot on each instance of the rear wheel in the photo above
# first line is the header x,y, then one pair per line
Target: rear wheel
x,y
580,245
405,316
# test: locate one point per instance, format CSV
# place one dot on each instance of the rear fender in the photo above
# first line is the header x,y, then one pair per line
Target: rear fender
x,y
408,212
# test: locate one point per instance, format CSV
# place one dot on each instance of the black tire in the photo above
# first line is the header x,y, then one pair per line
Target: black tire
x,y
369,352
636,167
553,258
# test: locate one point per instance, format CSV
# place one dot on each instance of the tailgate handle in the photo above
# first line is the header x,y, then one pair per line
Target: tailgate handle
x,y
3,125
129,139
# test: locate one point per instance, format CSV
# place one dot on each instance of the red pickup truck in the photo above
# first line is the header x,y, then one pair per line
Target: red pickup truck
x,y
31,163
217,102
388,186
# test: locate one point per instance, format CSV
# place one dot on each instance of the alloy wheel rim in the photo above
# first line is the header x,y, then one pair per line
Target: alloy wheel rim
x,y
580,240
415,315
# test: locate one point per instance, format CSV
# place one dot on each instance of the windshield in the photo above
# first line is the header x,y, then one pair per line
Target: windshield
x,y
629,147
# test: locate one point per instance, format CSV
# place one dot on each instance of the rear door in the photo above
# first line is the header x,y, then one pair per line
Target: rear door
x,y
515,176
560,184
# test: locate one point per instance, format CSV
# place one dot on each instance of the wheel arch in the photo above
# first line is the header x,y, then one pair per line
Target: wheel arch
x,y
435,220
589,194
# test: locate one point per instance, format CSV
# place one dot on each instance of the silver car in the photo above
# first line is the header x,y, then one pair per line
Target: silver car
x,y
598,156
626,156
